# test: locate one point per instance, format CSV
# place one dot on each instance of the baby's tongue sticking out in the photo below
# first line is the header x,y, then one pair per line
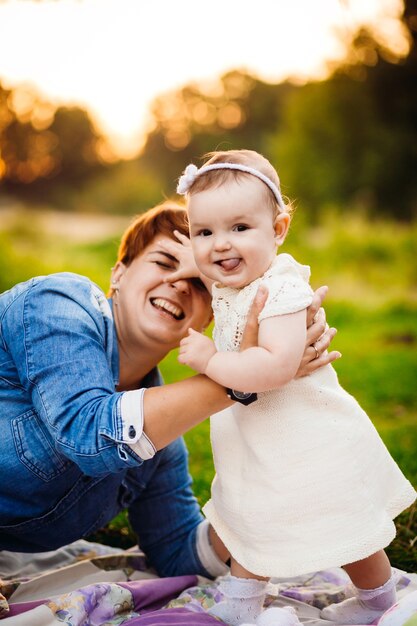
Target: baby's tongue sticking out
x,y
229,264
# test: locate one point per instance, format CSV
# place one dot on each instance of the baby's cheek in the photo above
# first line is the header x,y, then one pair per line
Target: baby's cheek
x,y
199,255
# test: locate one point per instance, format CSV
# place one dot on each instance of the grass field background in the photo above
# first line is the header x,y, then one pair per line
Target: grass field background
x,y
371,269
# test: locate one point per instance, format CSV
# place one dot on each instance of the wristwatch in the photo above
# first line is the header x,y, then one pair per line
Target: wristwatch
x,y
242,396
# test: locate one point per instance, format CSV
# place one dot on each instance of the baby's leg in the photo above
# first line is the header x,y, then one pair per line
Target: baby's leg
x,y
243,596
375,592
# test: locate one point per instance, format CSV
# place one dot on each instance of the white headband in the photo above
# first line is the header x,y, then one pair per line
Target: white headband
x,y
192,172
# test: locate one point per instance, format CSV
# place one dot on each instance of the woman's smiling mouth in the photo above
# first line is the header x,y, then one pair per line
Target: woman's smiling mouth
x,y
168,307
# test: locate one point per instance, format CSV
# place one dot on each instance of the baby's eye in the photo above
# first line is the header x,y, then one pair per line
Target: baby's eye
x,y
204,232
240,227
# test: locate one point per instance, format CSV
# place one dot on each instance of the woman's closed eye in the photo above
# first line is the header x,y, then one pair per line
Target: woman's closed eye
x,y
164,260
167,262
167,266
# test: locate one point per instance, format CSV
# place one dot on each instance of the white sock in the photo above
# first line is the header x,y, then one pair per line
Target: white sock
x,y
278,616
365,607
243,600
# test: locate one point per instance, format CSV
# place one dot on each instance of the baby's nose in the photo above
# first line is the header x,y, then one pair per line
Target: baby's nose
x,y
222,242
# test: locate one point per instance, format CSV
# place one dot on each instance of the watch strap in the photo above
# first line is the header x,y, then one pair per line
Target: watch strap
x,y
243,397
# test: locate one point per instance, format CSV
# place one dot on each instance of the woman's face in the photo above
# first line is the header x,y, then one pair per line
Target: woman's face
x,y
151,312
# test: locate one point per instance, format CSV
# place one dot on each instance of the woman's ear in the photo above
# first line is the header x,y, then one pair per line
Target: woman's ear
x,y
281,226
116,273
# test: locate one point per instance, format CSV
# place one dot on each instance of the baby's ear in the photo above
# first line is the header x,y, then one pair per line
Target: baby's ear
x,y
281,226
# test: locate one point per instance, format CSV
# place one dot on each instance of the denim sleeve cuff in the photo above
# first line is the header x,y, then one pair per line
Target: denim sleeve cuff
x,y
131,409
206,553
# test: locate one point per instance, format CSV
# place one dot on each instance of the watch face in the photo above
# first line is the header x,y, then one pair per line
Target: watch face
x,y
241,395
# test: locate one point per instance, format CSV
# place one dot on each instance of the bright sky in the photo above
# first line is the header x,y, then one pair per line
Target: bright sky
x,y
114,56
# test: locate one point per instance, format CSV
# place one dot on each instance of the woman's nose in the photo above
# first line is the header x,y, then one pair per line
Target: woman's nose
x,y
182,285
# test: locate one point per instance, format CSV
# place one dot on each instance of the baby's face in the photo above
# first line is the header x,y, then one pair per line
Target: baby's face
x,y
233,234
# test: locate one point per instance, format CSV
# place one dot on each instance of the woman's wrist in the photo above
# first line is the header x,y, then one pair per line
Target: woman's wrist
x,y
184,404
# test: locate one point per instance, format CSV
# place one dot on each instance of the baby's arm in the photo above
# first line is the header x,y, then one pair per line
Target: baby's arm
x,y
196,350
273,363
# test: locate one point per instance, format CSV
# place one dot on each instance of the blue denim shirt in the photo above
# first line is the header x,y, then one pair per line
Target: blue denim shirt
x,y
58,373
66,465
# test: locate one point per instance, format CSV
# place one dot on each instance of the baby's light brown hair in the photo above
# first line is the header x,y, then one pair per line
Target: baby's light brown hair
x,y
249,158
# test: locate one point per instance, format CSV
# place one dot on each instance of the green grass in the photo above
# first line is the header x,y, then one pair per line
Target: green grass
x,y
371,270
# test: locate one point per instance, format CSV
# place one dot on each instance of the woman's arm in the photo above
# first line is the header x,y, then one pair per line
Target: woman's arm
x,y
172,410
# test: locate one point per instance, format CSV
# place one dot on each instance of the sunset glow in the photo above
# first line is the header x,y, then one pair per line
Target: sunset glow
x,y
114,56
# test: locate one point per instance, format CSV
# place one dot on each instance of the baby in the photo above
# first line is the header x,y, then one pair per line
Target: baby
x,y
303,481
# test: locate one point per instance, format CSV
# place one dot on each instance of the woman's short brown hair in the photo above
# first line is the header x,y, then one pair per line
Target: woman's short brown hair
x,y
161,220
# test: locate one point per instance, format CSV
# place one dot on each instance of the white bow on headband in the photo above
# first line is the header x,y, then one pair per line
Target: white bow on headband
x,y
191,172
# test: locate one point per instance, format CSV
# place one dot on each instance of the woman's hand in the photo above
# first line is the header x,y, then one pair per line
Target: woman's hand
x,y
319,335
250,334
181,250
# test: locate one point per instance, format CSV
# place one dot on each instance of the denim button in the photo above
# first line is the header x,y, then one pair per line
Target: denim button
x,y
132,432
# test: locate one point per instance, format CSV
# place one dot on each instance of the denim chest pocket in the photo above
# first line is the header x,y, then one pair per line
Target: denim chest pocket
x,y
34,447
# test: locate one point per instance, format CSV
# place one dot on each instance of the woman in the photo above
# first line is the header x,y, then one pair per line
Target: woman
x,y
81,439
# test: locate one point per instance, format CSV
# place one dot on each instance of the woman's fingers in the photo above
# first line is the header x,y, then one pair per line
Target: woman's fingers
x,y
182,254
316,329
325,340
179,274
250,334
324,359
172,247
316,303
185,241
316,355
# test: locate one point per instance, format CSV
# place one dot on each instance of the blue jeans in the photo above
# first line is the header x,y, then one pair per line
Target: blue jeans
x,y
162,510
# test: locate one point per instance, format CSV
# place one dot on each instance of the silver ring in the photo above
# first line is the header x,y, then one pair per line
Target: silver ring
x,y
317,352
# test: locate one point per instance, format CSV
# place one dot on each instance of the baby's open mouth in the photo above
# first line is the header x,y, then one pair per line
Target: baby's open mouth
x,y
168,307
228,264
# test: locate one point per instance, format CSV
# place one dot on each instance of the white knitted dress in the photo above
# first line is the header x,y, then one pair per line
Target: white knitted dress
x,y
303,480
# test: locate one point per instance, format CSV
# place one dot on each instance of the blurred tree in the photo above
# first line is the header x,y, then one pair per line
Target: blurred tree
x,y
348,141
40,143
325,148
77,147
237,111
393,87
352,139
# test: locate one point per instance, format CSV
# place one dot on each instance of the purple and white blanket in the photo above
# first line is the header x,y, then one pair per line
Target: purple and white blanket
x,y
88,584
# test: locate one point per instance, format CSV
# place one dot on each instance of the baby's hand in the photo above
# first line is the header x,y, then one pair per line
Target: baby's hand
x,y
196,351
